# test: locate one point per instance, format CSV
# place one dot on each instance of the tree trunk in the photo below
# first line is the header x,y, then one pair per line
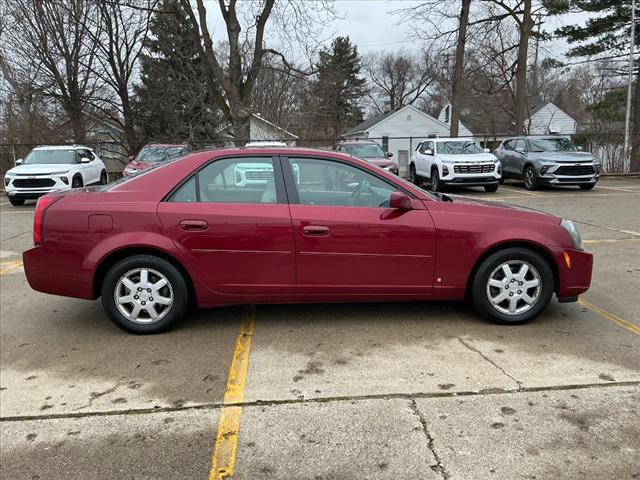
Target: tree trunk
x,y
526,25
77,125
241,126
458,69
634,165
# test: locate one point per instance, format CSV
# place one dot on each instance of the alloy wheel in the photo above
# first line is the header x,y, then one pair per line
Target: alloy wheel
x,y
143,295
514,287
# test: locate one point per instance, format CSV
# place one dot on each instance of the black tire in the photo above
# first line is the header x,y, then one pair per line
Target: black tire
x,y
413,175
436,185
177,282
480,296
587,187
501,180
104,179
16,202
530,177
77,182
491,188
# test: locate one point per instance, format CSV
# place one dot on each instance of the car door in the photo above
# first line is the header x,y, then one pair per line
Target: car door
x,y
505,155
91,170
231,223
519,155
349,243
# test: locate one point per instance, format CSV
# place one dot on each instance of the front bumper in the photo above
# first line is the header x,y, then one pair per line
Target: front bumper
x,y
576,279
556,174
34,192
470,174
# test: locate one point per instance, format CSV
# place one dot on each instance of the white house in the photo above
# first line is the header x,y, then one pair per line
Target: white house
x,y
399,132
261,129
489,119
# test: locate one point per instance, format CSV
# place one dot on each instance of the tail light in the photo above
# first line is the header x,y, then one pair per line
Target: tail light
x,y
38,218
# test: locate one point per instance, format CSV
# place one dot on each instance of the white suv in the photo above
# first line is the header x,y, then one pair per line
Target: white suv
x,y
454,161
52,169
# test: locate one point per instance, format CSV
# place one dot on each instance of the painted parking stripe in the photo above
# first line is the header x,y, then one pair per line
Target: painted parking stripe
x,y
611,317
8,267
611,240
223,459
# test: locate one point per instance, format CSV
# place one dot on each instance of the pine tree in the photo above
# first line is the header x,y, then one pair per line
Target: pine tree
x,y
607,32
173,100
338,88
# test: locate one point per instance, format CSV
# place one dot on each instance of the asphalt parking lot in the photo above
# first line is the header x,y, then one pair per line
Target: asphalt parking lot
x,y
347,391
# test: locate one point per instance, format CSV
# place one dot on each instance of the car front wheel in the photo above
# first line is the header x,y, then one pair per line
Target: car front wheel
x,y
530,178
512,286
16,202
435,181
144,294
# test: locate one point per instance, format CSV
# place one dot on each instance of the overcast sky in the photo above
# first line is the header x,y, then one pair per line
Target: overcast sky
x,y
372,27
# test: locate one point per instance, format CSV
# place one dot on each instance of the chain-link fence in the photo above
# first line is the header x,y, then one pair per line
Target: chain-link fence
x,y
607,147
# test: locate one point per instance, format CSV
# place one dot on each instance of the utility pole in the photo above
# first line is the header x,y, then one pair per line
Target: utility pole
x,y
627,118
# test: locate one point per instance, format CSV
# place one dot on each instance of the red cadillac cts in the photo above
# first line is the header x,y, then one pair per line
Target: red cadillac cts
x,y
270,225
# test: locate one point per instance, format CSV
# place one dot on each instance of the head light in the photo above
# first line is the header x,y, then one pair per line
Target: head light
x,y
573,232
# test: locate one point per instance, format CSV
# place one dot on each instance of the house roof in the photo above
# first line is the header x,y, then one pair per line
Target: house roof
x,y
493,114
226,130
371,122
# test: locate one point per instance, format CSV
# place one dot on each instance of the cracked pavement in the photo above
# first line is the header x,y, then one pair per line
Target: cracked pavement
x,y
345,391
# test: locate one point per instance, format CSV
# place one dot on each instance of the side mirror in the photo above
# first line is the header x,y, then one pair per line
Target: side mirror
x,y
389,154
84,160
399,200
130,158
19,161
486,150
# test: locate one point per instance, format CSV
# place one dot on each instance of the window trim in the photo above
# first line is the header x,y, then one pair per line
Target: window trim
x,y
281,195
292,189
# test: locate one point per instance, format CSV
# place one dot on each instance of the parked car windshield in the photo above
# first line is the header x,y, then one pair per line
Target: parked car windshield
x,y
159,154
552,145
364,151
458,148
49,157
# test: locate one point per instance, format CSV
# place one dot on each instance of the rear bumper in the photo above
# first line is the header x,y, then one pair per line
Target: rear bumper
x,y
574,280
42,279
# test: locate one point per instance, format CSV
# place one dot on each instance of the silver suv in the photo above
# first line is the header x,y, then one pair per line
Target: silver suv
x,y
548,160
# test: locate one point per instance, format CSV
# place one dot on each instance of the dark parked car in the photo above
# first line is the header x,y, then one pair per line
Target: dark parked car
x,y
547,161
186,232
369,151
154,153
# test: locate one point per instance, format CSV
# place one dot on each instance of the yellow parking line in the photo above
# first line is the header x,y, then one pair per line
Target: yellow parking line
x,y
611,317
9,267
223,459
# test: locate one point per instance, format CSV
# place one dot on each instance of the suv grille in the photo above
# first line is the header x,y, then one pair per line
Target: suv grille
x,y
575,170
33,182
256,175
485,168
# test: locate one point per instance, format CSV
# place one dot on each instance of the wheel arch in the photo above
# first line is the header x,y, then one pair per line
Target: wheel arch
x,y
535,247
115,256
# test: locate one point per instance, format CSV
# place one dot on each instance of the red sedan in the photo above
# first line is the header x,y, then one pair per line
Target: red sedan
x,y
276,225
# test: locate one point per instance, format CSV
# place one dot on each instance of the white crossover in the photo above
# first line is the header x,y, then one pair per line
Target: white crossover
x,y
52,169
454,161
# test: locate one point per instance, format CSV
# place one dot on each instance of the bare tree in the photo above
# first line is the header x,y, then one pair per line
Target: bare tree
x,y
233,73
398,78
55,35
118,36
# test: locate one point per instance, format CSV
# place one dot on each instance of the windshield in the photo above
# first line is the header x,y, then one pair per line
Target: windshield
x,y
458,148
552,145
364,151
49,157
159,154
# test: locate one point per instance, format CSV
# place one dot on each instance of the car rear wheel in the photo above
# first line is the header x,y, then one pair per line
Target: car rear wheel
x,y
16,202
103,178
530,178
512,286
144,294
491,188
587,187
